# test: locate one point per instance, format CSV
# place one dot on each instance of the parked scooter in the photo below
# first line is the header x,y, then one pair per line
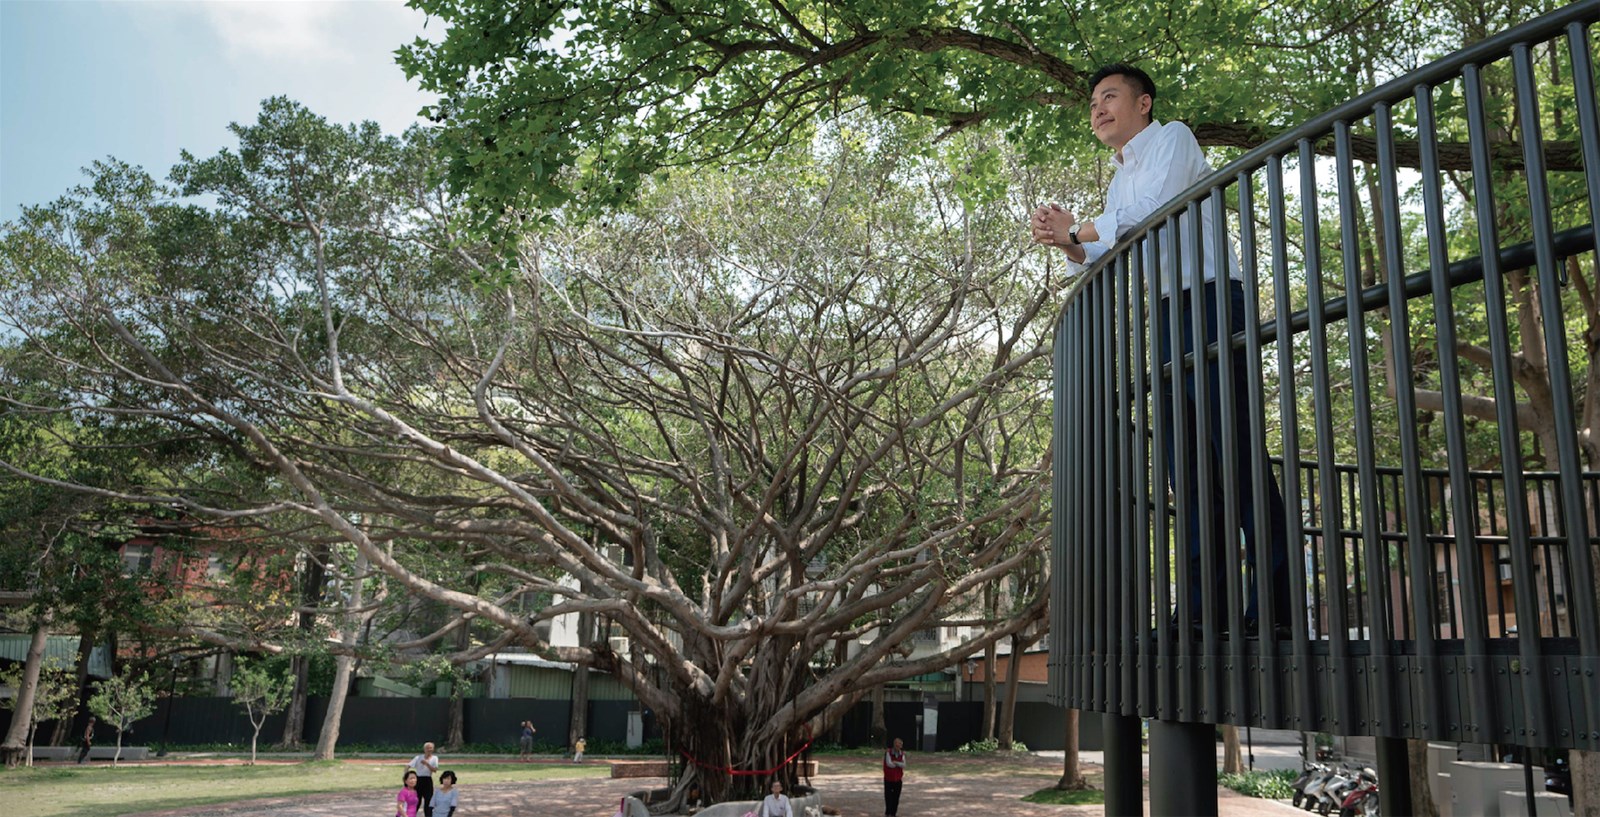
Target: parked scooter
x,y
1310,771
1333,791
1362,800
1317,787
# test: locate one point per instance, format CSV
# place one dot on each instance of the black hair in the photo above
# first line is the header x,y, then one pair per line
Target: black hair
x,y
408,773
449,774
1136,75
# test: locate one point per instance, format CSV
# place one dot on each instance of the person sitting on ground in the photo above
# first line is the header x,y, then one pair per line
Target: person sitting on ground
x,y
776,804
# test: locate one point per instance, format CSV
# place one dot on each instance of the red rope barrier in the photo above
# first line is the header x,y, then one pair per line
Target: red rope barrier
x,y
752,772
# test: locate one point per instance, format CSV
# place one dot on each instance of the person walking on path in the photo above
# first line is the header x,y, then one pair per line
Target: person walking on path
x,y
426,765
87,742
527,741
776,804
577,755
894,772
405,802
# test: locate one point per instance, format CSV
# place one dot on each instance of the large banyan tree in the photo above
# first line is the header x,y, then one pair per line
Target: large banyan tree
x,y
770,424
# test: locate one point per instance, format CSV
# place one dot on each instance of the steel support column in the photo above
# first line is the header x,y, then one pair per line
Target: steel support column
x,y
1183,769
1394,776
1124,759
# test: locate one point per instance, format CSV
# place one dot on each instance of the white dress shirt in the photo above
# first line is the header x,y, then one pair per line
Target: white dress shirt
x,y
1157,164
776,805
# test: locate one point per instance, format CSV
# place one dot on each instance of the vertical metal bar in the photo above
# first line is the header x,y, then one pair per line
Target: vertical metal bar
x,y
1269,713
1161,374
1386,716
1479,678
1184,471
1142,369
1305,699
1085,502
1328,478
1126,373
1071,435
1229,673
1105,554
1573,513
1588,118
1205,465
1095,301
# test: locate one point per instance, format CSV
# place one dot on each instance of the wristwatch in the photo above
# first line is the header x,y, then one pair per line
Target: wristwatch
x,y
1072,232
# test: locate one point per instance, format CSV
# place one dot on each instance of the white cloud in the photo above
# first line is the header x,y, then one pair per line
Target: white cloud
x,y
327,31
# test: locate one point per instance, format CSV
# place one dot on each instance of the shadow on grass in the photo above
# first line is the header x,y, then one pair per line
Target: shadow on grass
x,y
1059,797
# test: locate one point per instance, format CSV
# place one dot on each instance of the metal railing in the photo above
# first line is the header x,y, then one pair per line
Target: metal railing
x,y
1436,586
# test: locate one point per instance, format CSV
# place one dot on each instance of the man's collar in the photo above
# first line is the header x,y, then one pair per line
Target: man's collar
x,y
1130,152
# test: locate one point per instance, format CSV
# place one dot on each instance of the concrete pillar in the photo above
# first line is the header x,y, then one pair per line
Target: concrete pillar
x,y
1183,769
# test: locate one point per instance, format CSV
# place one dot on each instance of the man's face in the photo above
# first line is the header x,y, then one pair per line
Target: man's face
x,y
1117,110
898,744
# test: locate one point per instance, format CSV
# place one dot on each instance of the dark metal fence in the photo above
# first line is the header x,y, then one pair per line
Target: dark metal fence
x,y
1419,333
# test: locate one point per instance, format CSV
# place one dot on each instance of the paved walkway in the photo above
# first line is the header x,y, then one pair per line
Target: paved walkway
x,y
942,791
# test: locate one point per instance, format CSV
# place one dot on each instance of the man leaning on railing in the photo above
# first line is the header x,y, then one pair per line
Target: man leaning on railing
x,y
1153,163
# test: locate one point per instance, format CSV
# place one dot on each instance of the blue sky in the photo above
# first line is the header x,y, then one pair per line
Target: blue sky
x,y
141,80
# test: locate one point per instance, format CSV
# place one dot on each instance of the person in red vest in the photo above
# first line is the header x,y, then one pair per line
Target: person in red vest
x,y
894,772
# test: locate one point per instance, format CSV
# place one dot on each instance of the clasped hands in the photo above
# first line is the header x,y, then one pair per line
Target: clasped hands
x,y
1050,223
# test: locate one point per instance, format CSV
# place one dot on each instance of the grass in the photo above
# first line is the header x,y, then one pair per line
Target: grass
x,y
69,791
1060,797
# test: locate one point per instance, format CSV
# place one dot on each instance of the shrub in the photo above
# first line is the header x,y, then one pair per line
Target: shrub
x,y
990,745
1272,785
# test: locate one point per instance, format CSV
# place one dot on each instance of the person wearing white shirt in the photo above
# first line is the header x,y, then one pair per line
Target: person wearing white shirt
x,y
426,765
775,804
1153,163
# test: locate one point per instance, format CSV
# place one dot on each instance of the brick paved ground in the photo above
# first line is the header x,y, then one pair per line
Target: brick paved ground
x,y
941,791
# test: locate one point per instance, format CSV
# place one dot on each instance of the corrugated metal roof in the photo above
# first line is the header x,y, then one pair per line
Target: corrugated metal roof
x,y
63,648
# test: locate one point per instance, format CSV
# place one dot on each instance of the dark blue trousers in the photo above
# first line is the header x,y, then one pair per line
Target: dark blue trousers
x,y
1225,542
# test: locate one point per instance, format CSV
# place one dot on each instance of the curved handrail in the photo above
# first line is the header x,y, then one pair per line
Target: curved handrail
x,y
1401,88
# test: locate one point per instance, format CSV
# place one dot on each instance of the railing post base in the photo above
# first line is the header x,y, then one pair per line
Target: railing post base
x,y
1183,769
1394,776
1124,759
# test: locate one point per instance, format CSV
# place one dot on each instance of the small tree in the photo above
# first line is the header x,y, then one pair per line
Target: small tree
x,y
120,701
261,694
52,697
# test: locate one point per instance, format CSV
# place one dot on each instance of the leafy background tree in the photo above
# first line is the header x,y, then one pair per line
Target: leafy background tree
x,y
120,700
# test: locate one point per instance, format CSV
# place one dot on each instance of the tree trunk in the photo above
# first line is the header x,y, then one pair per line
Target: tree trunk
x,y
294,718
311,591
14,746
1071,774
1422,804
578,701
343,665
1013,678
1232,755
328,738
880,729
455,738
64,727
1585,783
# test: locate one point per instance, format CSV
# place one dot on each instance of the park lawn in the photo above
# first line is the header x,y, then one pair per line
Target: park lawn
x,y
103,791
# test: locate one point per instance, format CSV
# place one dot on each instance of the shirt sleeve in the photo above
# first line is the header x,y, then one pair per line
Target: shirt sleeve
x,y
1092,250
1171,159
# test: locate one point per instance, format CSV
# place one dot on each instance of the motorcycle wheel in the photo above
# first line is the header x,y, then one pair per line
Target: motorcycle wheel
x,y
1298,796
1325,807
